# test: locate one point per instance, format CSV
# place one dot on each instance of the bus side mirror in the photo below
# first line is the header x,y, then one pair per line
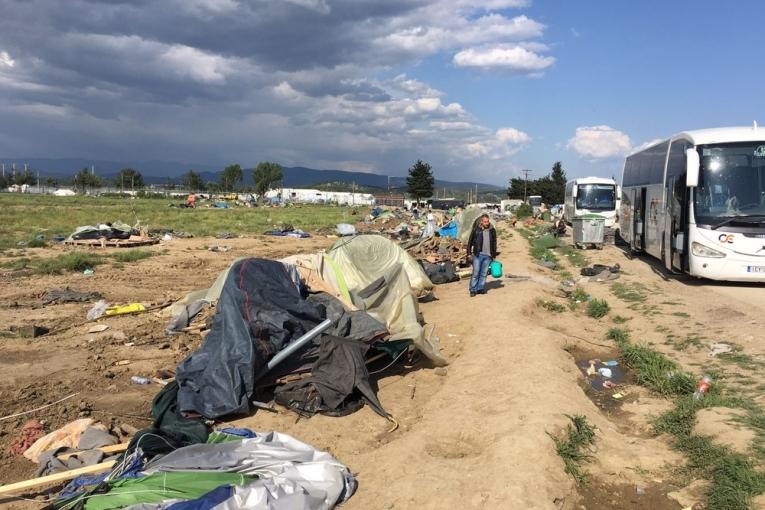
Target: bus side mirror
x,y
618,192
574,191
692,164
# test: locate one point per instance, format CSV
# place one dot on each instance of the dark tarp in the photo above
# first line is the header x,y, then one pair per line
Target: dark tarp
x,y
339,377
440,273
260,311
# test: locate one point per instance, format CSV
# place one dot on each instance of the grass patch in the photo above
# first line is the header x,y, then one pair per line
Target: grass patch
x,y
576,257
630,292
24,216
550,305
17,264
681,344
132,255
681,314
652,369
620,319
597,308
37,243
577,297
75,261
735,478
573,448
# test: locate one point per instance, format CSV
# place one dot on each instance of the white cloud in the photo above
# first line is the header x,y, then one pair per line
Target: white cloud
x,y
6,60
414,87
515,58
504,143
285,91
599,142
209,6
197,65
445,125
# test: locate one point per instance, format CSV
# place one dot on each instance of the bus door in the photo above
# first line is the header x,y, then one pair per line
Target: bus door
x,y
638,215
676,238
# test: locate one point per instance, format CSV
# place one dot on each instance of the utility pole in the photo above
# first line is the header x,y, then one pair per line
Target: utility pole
x,y
476,193
526,173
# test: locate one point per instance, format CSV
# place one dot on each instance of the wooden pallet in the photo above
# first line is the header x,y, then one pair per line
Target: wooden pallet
x,y
113,243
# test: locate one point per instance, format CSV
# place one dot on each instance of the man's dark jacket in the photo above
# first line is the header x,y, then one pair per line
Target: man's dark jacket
x,y
476,241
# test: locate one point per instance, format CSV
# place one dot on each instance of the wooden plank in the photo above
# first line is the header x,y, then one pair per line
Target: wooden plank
x,y
55,478
112,448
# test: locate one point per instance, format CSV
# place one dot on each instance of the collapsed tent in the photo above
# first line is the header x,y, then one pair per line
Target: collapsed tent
x,y
385,281
465,221
235,469
261,310
116,230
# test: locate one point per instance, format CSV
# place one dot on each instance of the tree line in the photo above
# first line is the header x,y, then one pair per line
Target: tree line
x,y
552,187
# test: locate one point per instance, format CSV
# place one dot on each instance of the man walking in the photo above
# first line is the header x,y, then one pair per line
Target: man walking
x,y
481,248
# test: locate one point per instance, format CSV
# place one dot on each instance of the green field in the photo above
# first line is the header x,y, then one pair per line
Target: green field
x,y
22,217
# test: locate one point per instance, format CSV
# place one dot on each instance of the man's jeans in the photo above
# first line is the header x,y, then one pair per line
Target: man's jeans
x,y
481,265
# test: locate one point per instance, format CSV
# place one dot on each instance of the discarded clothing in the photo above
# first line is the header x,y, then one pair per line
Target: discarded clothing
x,y
719,348
339,379
596,269
67,295
440,274
224,235
31,431
86,453
67,436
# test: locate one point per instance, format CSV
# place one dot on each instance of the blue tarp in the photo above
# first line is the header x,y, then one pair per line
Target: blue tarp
x,y
449,230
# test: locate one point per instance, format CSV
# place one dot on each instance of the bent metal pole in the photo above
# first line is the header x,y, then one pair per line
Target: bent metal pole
x,y
294,346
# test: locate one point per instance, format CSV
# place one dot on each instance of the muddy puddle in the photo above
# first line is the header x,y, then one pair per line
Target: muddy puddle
x,y
604,379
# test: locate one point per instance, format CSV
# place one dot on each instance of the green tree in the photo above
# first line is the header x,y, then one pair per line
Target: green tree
x,y
129,178
85,180
266,176
230,177
192,181
558,178
51,182
420,180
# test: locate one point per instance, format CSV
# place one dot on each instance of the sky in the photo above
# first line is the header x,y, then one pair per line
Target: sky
x,y
480,89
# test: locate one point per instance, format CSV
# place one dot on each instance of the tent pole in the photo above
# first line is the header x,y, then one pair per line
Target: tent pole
x,y
294,346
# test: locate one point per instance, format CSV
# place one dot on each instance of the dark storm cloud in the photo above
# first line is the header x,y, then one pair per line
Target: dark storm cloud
x,y
290,78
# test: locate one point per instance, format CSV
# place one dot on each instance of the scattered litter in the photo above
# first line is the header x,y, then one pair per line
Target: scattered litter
x,y
167,237
224,235
122,362
119,336
591,370
609,385
98,310
702,388
605,372
442,371
611,363
219,248
137,379
125,309
88,272
129,344
719,348
640,491
598,269
617,396
346,229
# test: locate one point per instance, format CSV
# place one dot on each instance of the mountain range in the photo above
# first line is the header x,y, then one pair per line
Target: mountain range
x,y
158,172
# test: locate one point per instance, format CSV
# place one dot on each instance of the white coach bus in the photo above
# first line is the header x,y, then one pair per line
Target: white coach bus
x,y
592,195
697,202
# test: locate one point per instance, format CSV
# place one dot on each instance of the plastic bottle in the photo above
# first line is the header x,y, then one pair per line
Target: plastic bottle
x,y
137,379
702,388
97,311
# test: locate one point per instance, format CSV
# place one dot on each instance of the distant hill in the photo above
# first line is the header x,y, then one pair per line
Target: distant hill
x,y
158,172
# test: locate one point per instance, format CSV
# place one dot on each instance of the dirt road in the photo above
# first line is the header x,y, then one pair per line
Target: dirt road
x,y
476,437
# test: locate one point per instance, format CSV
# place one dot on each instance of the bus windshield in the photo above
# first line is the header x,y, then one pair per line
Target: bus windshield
x,y
596,197
535,200
731,184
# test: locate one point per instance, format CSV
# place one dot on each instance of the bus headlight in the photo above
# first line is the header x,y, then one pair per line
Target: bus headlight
x,y
700,250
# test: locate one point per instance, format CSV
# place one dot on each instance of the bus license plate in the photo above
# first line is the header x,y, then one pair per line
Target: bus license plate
x,y
755,269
